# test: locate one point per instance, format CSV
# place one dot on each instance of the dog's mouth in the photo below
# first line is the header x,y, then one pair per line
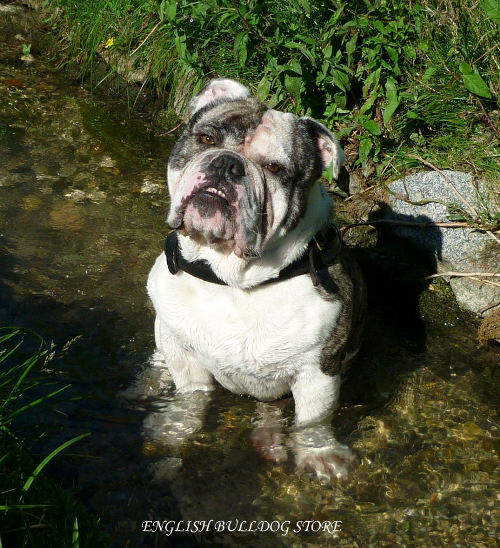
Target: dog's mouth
x,y
211,196
209,211
210,199
221,210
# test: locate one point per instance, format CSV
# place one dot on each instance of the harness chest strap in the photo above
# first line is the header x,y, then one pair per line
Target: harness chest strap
x,y
323,251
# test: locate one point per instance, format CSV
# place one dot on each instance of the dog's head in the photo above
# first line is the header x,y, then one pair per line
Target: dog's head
x,y
240,173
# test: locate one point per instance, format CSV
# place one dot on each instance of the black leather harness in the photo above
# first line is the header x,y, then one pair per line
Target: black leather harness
x,y
323,251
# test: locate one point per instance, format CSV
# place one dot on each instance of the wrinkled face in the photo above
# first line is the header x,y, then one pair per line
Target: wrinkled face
x,y
239,175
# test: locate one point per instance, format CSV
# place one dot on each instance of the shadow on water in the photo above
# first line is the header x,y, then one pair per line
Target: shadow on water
x,y
109,470
117,472
395,272
79,229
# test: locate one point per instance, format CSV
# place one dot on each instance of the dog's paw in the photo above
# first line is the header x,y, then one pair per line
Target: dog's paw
x,y
317,450
328,463
176,420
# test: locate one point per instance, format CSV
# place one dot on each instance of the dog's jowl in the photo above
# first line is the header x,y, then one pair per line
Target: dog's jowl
x,y
255,289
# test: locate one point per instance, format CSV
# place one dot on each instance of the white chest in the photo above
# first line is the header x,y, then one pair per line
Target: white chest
x,y
244,336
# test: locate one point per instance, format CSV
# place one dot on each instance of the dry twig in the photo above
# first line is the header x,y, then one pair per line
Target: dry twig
x,y
470,275
144,41
488,119
471,208
352,196
463,275
170,130
488,307
475,214
344,229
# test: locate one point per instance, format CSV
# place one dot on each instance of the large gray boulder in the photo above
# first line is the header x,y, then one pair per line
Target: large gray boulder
x,y
428,197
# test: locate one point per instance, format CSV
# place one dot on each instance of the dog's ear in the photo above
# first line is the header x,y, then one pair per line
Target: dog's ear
x,y
330,150
218,89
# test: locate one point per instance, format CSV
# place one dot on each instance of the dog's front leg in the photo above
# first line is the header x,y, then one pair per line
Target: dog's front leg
x,y
315,395
181,415
316,449
188,374
177,419
268,435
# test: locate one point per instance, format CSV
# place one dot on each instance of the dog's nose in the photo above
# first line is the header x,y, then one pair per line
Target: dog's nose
x,y
229,165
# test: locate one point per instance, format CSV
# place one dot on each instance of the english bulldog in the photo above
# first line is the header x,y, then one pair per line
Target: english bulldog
x,y
255,290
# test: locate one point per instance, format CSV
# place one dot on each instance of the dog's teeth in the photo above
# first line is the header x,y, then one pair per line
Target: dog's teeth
x,y
216,191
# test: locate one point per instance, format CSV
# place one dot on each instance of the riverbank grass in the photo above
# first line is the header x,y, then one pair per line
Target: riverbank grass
x,y
34,510
394,78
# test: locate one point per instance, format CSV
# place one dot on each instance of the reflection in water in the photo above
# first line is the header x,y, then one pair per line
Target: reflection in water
x,y
176,418
82,209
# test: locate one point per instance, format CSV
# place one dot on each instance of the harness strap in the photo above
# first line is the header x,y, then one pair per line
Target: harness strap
x,y
322,251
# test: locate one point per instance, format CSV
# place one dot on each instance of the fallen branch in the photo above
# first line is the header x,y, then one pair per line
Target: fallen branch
x,y
463,275
471,208
488,307
344,229
475,214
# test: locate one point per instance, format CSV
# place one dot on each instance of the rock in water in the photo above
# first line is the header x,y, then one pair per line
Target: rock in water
x,y
428,197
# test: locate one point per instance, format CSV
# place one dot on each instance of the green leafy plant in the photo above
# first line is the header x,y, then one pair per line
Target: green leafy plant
x,y
388,75
473,81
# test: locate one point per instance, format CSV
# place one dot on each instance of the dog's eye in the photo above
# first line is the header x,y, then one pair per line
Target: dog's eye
x,y
207,139
272,167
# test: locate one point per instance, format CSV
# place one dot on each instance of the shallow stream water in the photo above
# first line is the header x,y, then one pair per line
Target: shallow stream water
x,y
82,208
